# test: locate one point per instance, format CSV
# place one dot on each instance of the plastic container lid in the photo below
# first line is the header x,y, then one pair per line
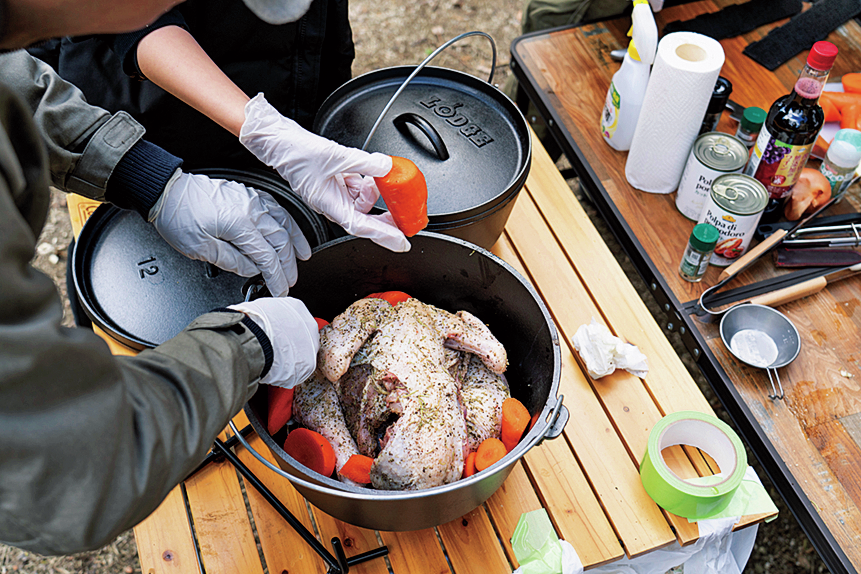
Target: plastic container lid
x,y
753,118
822,55
845,149
704,237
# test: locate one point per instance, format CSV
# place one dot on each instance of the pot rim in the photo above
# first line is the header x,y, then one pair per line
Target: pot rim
x,y
540,431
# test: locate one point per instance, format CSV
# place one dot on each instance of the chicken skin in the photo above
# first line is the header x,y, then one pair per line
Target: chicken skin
x,y
395,364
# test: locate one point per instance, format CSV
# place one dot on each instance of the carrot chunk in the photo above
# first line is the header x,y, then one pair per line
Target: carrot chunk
x,y
311,449
357,468
851,82
393,297
280,408
469,465
850,116
405,192
832,112
840,99
515,419
489,451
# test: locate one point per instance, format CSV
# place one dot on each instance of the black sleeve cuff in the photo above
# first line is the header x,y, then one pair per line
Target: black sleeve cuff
x,y
125,45
257,331
140,177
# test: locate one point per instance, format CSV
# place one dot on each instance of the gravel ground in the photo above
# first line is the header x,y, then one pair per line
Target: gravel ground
x,y
387,34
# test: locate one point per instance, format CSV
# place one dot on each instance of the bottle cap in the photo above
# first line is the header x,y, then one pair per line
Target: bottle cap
x,y
704,237
720,95
753,118
844,153
822,56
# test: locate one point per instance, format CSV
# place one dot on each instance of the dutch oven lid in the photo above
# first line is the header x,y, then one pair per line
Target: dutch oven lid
x,y
470,141
140,290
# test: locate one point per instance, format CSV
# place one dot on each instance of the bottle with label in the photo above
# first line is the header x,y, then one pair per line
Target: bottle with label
x,y
628,86
790,130
841,161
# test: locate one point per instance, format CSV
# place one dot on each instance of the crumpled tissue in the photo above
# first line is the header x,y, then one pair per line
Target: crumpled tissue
x,y
539,550
603,352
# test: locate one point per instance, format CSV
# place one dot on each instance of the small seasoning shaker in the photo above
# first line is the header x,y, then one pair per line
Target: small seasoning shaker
x,y
717,103
750,125
701,244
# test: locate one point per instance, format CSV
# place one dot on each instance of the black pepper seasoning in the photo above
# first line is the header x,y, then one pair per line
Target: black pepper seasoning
x,y
720,96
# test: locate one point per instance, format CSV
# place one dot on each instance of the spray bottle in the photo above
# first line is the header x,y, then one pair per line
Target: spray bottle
x,y
625,96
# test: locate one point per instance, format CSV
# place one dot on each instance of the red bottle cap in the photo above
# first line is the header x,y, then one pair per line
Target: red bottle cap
x,y
822,56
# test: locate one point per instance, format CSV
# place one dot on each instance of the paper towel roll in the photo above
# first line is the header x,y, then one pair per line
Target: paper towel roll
x,y
686,68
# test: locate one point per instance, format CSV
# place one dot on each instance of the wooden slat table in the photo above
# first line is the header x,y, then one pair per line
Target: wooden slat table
x,y
809,442
587,479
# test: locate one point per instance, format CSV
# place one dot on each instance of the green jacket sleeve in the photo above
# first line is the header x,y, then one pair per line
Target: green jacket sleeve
x,y
84,142
92,443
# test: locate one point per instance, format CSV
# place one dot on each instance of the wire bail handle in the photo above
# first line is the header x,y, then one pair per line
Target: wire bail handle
x,y
419,68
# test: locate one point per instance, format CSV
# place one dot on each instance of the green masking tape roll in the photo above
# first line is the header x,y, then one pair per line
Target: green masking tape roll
x,y
703,497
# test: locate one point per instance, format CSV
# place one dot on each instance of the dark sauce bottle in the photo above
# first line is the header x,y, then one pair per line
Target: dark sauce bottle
x,y
790,130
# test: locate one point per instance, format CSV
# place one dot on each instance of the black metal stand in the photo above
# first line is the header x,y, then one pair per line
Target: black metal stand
x,y
337,563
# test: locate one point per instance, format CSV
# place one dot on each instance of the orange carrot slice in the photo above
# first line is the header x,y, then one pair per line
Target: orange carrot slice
x,y
357,468
393,297
850,117
489,451
515,419
311,449
851,82
840,99
280,408
469,465
832,112
405,192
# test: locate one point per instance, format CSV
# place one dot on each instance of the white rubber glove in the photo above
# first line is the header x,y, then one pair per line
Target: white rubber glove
x,y
324,173
293,333
234,227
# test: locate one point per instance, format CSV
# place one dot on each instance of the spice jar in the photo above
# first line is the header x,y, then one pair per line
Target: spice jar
x,y
701,244
750,125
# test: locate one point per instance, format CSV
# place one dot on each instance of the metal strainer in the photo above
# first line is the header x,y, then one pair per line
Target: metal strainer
x,y
761,337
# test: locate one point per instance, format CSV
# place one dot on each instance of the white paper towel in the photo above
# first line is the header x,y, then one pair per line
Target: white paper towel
x,y
686,68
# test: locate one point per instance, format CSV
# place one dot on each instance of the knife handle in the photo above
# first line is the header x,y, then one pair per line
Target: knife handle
x,y
752,255
791,293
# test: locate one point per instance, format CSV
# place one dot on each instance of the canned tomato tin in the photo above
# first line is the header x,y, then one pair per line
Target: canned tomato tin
x,y
713,154
734,205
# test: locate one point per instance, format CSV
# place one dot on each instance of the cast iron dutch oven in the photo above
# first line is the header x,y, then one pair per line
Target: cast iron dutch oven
x,y
453,275
467,137
138,289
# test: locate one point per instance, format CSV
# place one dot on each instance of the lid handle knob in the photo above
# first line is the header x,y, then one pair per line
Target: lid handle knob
x,y
426,128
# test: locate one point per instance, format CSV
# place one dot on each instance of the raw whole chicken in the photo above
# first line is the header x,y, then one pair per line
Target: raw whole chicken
x,y
430,379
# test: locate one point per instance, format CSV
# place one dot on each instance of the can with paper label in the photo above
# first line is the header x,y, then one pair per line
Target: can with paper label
x,y
734,205
713,154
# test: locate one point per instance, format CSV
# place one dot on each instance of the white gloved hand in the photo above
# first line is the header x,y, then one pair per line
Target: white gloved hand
x,y
293,333
234,227
325,174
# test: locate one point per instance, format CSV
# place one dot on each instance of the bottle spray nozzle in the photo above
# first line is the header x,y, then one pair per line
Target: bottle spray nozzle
x,y
643,32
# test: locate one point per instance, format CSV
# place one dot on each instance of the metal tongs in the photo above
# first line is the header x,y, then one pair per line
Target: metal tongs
x,y
773,298
834,231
